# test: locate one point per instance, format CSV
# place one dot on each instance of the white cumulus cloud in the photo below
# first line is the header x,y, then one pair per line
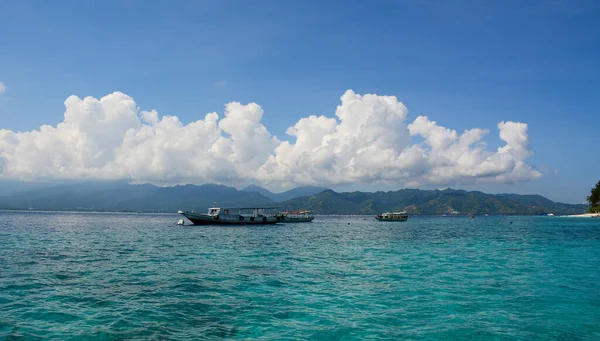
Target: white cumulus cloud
x,y
371,142
368,141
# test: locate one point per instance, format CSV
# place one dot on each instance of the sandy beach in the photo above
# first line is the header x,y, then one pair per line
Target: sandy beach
x,y
585,215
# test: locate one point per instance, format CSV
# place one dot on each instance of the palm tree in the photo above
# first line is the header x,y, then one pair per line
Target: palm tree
x,y
594,198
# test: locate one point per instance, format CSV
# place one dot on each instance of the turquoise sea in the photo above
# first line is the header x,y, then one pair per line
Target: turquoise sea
x,y
100,276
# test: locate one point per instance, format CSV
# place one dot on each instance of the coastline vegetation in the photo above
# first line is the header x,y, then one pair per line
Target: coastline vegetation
x,y
594,199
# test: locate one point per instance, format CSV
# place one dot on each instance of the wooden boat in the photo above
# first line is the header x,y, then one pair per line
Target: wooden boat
x,y
300,216
393,216
233,216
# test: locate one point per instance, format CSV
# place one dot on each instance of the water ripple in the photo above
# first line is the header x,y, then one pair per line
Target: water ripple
x,y
73,276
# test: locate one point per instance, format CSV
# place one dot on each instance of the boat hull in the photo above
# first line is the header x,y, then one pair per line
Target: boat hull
x,y
297,220
205,219
395,219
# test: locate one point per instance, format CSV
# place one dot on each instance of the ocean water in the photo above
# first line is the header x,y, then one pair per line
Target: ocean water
x,y
99,276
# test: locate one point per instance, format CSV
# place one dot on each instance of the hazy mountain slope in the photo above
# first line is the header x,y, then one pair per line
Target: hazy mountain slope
x,y
120,196
117,196
287,195
263,191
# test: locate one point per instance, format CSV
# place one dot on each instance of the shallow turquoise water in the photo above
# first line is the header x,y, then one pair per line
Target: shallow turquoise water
x,y
137,276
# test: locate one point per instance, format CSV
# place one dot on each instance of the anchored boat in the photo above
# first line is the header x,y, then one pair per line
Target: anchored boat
x,y
393,216
301,216
233,216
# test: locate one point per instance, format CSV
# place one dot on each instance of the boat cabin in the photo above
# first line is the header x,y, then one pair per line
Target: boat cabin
x,y
297,214
393,216
241,212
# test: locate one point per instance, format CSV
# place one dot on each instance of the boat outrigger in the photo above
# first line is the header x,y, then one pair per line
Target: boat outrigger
x,y
233,216
301,216
393,216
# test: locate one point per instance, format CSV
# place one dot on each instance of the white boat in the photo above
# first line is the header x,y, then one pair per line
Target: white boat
x,y
233,216
301,216
393,216
550,215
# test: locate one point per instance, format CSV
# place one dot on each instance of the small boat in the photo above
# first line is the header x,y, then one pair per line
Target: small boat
x,y
301,216
233,216
393,216
550,215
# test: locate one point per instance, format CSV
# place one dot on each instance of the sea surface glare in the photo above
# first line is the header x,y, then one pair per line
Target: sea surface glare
x,y
101,276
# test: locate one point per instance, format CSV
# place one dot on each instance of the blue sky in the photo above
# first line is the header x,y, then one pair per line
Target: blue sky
x,y
464,64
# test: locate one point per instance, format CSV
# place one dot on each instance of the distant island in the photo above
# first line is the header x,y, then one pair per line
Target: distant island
x,y
119,196
432,202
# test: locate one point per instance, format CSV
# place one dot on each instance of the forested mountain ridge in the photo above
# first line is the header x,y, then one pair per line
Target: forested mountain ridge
x,y
121,196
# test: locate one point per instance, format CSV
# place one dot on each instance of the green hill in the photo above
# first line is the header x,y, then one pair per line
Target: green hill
x,y
120,196
430,202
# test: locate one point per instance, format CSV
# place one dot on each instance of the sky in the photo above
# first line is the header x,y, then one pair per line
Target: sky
x,y
353,95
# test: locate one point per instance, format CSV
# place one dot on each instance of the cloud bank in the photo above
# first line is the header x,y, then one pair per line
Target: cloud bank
x,y
368,141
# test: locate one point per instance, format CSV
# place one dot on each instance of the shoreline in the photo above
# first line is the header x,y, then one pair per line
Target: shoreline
x,y
584,215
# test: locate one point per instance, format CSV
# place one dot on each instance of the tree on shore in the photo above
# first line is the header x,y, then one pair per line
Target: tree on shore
x,y
594,199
